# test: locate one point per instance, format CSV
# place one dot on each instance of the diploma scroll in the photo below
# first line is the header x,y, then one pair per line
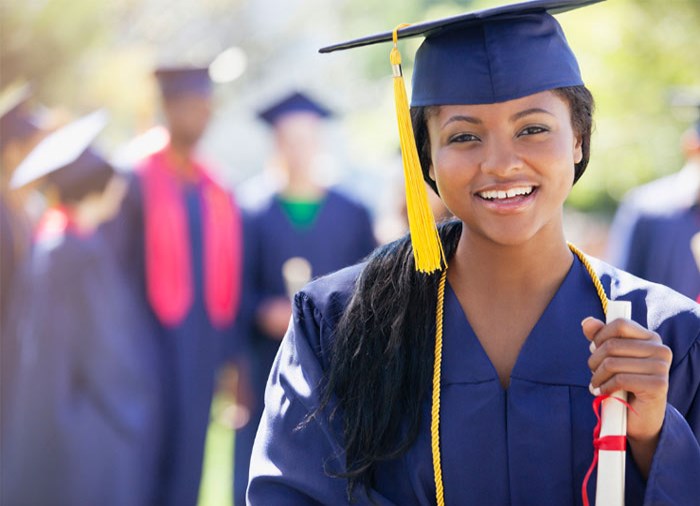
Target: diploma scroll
x,y
296,273
610,488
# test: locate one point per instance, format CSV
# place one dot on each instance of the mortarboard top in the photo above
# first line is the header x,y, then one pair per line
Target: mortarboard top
x,y
176,81
67,146
490,55
294,103
15,121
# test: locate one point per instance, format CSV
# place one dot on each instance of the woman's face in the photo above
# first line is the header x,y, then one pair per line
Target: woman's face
x,y
505,169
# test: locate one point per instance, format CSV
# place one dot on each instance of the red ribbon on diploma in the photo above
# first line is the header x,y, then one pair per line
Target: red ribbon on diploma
x,y
609,443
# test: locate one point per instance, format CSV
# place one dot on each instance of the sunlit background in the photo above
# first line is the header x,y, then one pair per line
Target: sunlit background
x,y
640,58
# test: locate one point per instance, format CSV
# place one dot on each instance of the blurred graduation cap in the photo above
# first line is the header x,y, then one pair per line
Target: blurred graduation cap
x,y
480,57
175,81
65,155
16,122
295,102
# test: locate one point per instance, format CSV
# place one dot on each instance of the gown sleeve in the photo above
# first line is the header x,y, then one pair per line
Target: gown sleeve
x,y
288,460
675,472
294,457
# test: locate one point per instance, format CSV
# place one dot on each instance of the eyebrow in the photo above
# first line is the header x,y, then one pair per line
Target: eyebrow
x,y
515,117
527,112
459,117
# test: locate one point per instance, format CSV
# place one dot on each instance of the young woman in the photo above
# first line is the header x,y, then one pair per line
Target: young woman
x,y
362,406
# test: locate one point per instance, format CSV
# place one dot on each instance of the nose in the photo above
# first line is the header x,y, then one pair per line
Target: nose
x,y
501,158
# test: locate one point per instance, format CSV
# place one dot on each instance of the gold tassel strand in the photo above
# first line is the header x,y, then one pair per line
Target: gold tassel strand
x,y
427,247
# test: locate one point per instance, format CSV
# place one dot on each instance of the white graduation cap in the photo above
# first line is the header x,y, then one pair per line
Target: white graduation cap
x,y
60,148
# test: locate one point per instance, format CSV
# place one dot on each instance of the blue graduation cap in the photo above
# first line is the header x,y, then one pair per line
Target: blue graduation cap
x,y
176,81
290,104
66,149
480,57
15,121
487,56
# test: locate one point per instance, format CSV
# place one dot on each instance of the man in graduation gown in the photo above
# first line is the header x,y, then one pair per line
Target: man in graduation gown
x,y
669,195
664,246
666,249
303,231
178,233
86,417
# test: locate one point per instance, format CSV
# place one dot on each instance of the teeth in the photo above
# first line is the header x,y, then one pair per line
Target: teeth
x,y
507,194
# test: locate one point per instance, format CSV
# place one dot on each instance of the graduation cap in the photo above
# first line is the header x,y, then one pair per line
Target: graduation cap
x,y
15,121
293,103
67,149
176,81
480,57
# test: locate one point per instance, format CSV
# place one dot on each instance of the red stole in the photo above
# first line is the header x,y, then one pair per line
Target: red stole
x,y
169,276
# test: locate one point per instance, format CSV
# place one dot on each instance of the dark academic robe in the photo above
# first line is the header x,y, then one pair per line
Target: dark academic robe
x,y
340,235
660,251
10,265
189,354
87,412
529,444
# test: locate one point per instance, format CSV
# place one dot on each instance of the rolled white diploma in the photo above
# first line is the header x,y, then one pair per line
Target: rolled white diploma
x,y
610,484
296,273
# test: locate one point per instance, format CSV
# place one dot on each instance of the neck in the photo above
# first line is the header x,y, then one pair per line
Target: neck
x,y
302,189
504,272
180,156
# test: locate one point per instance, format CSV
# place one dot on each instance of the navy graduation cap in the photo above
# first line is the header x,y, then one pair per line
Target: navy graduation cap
x,y
490,55
67,147
293,103
481,57
176,81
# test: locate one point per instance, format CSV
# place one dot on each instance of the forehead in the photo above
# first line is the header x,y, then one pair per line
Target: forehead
x,y
295,120
547,101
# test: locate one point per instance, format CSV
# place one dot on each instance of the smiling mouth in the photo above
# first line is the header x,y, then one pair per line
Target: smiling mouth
x,y
495,195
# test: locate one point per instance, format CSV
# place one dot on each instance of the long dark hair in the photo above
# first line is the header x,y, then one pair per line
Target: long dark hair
x,y
381,358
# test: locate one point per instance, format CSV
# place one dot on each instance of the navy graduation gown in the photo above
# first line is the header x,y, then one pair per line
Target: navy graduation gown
x,y
529,444
189,354
86,414
660,251
10,265
340,235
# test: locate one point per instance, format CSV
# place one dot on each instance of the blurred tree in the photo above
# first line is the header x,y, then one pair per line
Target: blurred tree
x,y
83,53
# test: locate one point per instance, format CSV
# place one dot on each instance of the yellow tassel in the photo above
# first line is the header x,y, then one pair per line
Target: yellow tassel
x,y
427,248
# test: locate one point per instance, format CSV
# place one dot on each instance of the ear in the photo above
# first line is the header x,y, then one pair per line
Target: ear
x,y
578,148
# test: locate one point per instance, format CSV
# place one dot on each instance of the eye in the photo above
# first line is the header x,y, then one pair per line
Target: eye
x,y
463,137
533,130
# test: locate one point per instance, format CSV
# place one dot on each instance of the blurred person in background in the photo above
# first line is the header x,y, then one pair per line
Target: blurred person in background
x,y
303,231
19,132
665,247
85,414
179,235
668,195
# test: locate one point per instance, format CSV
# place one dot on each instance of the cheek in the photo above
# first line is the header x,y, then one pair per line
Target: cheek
x,y
453,167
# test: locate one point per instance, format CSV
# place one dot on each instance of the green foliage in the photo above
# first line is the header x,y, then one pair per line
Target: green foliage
x,y
39,37
633,55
